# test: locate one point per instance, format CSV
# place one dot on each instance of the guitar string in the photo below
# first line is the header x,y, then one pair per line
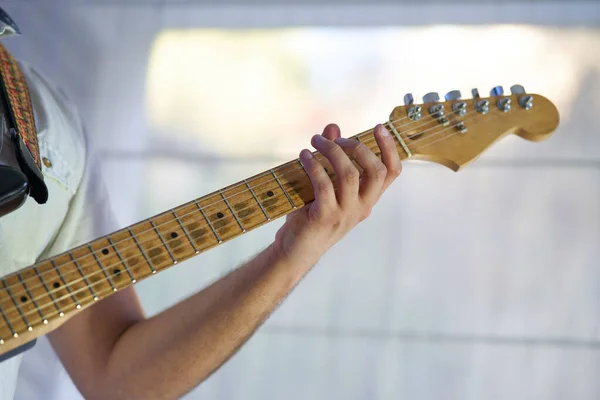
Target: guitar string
x,y
232,223
36,310
245,191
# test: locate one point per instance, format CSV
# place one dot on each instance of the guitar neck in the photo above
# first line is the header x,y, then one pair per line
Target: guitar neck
x,y
65,284
39,298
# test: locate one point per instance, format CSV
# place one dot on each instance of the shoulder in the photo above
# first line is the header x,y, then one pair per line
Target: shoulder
x,y
63,146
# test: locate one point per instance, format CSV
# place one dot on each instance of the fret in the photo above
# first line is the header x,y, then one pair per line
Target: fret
x,y
48,291
105,253
245,206
232,212
32,298
18,307
212,228
220,216
13,332
67,286
162,240
59,291
187,234
197,225
297,184
270,196
153,244
173,236
142,251
256,199
83,275
92,278
283,189
110,278
127,251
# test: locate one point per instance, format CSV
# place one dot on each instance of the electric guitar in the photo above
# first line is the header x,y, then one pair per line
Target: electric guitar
x,y
453,132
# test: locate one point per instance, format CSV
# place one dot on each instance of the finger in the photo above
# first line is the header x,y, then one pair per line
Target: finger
x,y
321,183
332,132
389,155
347,175
374,172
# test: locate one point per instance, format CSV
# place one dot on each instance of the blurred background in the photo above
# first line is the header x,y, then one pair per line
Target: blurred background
x,y
483,284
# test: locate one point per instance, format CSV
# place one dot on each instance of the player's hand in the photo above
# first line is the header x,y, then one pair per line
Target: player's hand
x,y
309,232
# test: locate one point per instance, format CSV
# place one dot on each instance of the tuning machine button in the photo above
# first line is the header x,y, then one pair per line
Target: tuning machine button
x,y
431,97
497,91
453,95
414,111
460,107
525,101
481,106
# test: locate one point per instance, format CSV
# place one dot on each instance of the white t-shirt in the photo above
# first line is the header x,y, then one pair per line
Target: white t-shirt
x,y
77,211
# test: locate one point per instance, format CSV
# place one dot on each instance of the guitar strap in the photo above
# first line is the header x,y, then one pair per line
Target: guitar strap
x,y
18,125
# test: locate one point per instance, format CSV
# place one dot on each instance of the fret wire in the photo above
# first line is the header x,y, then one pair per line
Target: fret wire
x,y
233,212
185,231
62,278
142,251
32,298
162,240
133,280
12,330
60,313
114,289
257,201
18,306
207,220
85,280
284,191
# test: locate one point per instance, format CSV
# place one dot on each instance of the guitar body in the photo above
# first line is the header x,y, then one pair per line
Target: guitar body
x,y
14,189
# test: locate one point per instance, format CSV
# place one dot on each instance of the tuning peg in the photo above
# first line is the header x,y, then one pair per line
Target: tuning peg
x,y
408,99
524,101
453,95
431,97
497,91
482,106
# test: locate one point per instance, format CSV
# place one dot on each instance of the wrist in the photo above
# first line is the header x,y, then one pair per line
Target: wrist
x,y
293,259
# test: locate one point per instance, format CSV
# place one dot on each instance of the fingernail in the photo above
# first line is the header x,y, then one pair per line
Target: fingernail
x,y
319,138
384,132
307,154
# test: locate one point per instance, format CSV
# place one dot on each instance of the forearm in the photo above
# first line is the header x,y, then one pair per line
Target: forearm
x,y
172,352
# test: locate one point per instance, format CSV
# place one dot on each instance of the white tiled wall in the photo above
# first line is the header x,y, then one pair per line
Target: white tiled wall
x,y
476,285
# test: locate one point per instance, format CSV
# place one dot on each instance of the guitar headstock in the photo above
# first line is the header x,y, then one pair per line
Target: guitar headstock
x,y
456,131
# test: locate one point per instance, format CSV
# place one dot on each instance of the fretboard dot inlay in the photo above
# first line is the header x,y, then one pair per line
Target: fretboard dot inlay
x,y
270,193
56,285
105,251
117,272
23,299
173,235
220,215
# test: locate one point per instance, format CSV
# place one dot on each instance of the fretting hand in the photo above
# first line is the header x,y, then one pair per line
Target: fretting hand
x,y
309,232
